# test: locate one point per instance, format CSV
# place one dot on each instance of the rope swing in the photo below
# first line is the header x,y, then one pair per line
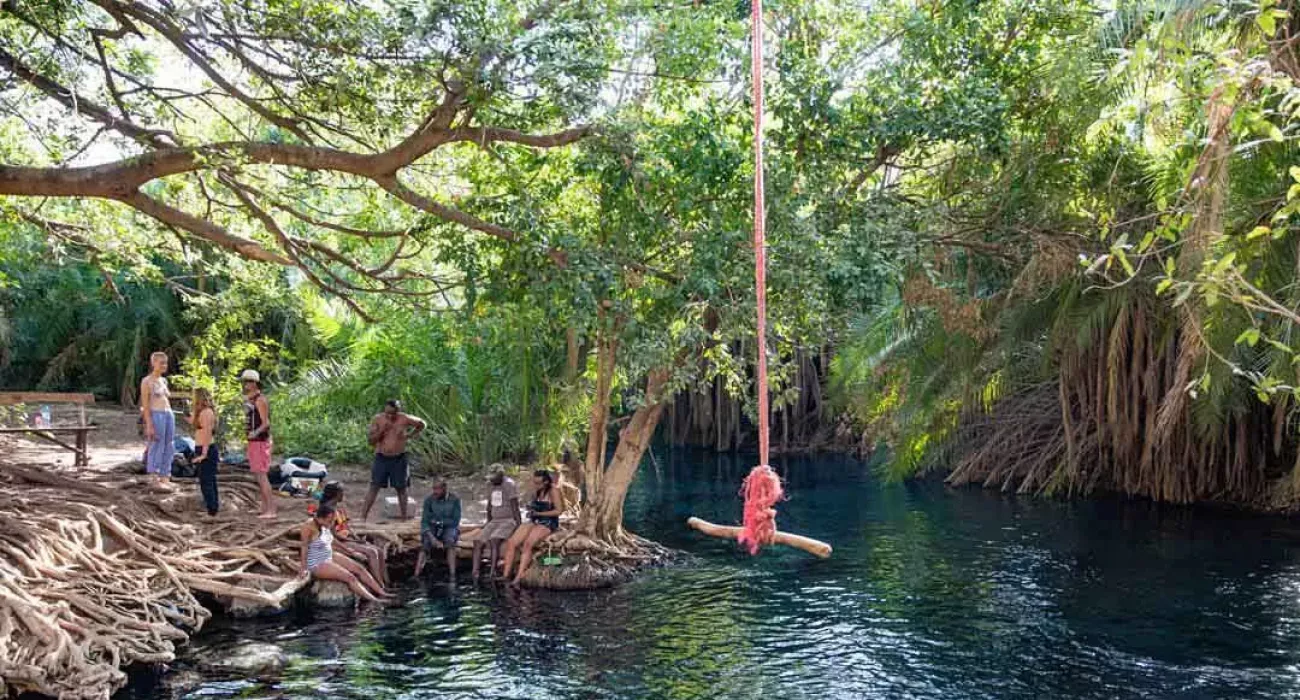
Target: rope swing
x,y
762,488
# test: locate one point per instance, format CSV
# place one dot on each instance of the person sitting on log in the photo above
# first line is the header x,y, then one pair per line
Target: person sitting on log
x,y
374,556
439,527
502,519
544,518
319,559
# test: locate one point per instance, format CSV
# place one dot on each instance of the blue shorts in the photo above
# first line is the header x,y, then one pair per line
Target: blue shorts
x,y
390,471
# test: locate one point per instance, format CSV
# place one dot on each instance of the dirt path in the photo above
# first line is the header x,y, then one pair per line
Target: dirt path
x,y
116,443
117,446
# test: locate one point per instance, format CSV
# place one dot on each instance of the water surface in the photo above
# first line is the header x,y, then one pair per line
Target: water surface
x,y
931,593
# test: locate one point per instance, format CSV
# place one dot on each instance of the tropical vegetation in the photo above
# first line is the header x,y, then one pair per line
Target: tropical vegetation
x,y
1042,246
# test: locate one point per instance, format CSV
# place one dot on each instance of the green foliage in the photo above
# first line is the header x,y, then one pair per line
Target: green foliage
x,y
81,325
935,173
488,386
1157,166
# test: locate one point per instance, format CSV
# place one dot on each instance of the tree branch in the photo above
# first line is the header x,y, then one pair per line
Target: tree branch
x,y
271,225
319,223
487,134
80,104
425,204
174,36
204,229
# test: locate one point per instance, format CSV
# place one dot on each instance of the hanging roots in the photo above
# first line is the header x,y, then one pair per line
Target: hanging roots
x,y
762,491
104,571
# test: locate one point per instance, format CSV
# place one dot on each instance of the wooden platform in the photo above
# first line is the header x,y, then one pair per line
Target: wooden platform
x,y
48,433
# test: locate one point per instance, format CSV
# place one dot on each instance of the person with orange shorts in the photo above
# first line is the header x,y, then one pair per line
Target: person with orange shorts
x,y
257,426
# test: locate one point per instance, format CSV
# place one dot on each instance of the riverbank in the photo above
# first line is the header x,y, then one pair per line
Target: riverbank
x,y
100,569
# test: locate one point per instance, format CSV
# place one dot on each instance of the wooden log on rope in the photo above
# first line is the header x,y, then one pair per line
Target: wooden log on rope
x,y
816,548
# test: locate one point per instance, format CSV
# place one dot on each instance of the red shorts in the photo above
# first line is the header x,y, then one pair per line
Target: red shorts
x,y
259,456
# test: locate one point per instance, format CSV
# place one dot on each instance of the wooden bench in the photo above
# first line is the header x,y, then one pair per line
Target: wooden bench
x,y
79,431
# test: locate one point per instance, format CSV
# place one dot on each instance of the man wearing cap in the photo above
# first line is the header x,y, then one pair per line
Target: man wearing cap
x,y
388,434
257,428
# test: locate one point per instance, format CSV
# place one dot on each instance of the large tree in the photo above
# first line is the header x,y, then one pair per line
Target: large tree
x,y
224,122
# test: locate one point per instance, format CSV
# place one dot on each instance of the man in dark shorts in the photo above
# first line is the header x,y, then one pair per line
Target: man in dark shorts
x,y
388,434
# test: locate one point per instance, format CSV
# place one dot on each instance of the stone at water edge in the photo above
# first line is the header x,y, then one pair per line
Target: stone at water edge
x,y
332,594
250,659
181,682
390,507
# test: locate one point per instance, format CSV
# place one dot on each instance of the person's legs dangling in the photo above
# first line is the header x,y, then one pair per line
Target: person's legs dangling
x,y
512,547
536,535
330,571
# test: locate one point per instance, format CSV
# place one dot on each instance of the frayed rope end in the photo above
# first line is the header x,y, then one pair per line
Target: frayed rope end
x,y
762,490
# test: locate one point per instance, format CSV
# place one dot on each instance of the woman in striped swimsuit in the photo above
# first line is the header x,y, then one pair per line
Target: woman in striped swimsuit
x,y
319,560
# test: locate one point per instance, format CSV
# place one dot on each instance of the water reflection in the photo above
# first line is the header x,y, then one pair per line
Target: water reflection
x,y
931,593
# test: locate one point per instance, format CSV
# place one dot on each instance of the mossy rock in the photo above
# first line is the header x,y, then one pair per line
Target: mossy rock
x,y
332,594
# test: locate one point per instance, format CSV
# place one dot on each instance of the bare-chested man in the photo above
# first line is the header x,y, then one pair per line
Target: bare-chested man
x,y
388,434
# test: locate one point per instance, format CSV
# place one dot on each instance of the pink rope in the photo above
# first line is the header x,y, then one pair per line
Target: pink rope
x,y
762,488
760,245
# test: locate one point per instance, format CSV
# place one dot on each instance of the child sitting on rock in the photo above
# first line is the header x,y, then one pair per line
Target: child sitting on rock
x,y
374,556
319,560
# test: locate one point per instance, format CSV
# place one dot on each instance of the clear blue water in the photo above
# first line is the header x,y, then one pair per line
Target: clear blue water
x,y
931,593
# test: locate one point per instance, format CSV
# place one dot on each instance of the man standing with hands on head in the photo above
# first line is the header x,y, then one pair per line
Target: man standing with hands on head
x,y
388,434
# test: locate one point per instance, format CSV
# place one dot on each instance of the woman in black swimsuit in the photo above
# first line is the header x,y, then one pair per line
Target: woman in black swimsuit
x,y
543,519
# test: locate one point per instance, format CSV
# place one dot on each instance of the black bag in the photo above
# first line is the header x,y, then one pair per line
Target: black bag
x,y
183,460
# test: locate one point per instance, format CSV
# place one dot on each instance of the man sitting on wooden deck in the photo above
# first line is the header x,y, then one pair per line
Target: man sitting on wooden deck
x,y
439,527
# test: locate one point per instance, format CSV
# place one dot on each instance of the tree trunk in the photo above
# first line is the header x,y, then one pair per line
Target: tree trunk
x,y
602,518
598,424
571,355
719,417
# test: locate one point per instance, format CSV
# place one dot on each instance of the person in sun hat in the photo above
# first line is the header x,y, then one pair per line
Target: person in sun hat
x,y
257,427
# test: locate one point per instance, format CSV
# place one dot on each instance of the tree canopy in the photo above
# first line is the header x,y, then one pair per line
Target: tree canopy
x,y
973,207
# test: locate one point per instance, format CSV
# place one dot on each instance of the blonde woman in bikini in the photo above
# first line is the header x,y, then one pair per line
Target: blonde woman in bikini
x,y
204,420
159,421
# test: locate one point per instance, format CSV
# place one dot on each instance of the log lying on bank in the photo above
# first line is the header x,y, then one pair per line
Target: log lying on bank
x,y
816,548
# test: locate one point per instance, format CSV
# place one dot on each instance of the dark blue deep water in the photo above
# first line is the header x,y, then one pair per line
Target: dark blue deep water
x,y
931,593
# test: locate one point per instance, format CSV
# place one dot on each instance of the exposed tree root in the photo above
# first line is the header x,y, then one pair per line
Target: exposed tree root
x,y
1119,418
590,563
102,572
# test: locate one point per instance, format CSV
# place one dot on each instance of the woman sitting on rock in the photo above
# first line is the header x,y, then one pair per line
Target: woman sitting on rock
x,y
543,519
319,559
375,558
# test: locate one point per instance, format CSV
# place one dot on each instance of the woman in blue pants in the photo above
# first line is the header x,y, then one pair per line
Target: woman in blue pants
x,y
159,421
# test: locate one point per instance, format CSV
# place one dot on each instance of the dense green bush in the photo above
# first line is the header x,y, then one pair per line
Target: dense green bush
x,y
487,387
